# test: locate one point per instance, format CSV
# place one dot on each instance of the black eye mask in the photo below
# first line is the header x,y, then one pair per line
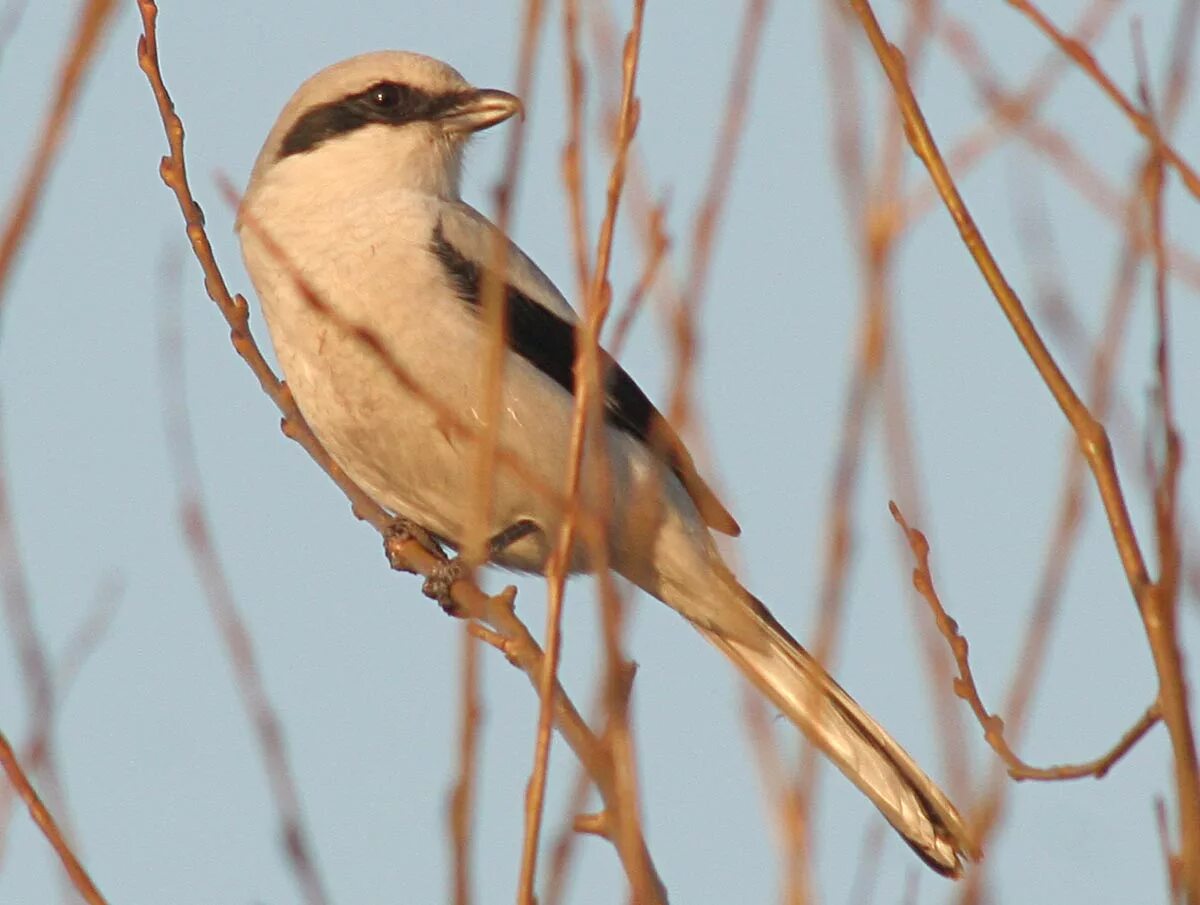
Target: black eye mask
x,y
387,103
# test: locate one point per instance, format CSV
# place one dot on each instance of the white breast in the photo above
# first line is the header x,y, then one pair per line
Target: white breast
x,y
369,261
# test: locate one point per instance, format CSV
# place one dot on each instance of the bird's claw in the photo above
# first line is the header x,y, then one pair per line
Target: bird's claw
x,y
400,532
438,583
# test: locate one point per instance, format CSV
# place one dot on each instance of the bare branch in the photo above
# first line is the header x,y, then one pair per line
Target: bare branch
x,y
1083,58
462,793
1160,605
622,814
222,606
37,752
708,217
47,824
1013,112
10,20
90,27
965,687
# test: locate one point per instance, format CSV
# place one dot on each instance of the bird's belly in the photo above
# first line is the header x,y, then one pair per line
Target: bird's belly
x,y
402,418
388,370
405,445
408,431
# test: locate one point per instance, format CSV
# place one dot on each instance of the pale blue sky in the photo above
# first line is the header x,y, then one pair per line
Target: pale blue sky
x,y
164,781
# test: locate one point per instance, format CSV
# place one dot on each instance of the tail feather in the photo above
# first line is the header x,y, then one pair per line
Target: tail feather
x,y
870,758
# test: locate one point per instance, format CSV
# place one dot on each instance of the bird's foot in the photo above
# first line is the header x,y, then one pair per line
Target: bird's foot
x,y
400,532
445,573
439,581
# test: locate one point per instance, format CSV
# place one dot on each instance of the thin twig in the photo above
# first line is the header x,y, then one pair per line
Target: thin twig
x,y
562,848
782,798
1068,523
1171,860
47,824
882,230
1179,64
88,634
1093,439
617,676
649,210
867,201
10,21
1009,110
90,27
712,206
222,606
965,687
41,699
1160,606
878,374
1083,58
82,643
557,567
573,159
656,254
654,245
863,889
494,304
1012,113
462,793
585,416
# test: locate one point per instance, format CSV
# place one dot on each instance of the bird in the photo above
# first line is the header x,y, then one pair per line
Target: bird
x,y
370,267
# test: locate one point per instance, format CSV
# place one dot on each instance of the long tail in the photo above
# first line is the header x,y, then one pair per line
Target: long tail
x,y
870,758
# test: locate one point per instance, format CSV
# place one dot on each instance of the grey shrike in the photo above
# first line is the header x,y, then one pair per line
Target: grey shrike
x,y
354,200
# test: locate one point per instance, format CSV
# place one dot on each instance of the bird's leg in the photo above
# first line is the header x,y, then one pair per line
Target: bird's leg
x,y
517,531
437,584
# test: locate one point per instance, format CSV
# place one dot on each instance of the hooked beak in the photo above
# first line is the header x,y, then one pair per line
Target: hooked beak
x,y
479,109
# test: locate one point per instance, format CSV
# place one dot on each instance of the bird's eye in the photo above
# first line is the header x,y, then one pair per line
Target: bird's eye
x,y
385,95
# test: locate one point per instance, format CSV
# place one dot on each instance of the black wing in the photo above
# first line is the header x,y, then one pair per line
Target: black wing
x,y
549,343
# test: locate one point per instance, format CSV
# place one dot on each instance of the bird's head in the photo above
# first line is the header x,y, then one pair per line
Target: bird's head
x,y
400,118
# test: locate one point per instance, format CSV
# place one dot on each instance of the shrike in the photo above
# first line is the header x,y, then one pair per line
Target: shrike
x,y
354,201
